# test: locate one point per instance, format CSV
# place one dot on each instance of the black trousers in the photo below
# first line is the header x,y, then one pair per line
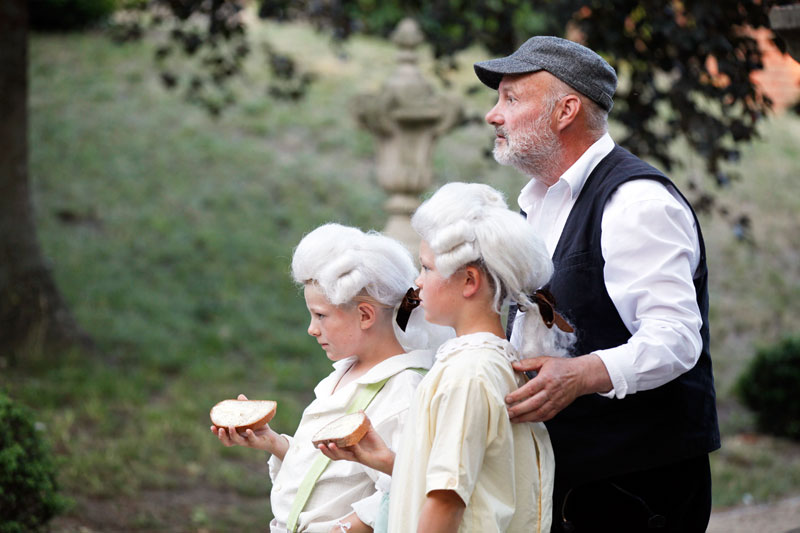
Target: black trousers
x,y
672,498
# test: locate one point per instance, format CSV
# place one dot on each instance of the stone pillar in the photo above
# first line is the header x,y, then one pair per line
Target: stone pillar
x,y
405,116
785,21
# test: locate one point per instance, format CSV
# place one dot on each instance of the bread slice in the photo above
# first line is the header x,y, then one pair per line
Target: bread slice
x,y
243,414
344,431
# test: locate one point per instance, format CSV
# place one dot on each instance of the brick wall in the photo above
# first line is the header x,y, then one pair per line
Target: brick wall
x,y
780,79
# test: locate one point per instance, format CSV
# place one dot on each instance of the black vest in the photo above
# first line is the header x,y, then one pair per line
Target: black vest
x,y
597,437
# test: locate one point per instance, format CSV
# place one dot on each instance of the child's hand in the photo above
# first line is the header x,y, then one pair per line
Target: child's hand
x,y
370,451
261,439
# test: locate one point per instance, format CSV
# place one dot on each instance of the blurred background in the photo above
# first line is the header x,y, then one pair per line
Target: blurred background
x,y
175,158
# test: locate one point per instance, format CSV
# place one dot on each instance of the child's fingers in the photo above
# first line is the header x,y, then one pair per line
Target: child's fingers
x,y
327,453
241,397
223,437
252,436
235,437
335,453
262,431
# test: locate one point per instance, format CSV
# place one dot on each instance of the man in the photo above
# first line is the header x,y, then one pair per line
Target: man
x,y
632,415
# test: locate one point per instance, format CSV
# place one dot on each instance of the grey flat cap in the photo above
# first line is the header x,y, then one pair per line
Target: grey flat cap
x,y
574,64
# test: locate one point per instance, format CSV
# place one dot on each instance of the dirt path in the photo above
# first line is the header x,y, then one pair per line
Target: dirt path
x,y
779,517
200,509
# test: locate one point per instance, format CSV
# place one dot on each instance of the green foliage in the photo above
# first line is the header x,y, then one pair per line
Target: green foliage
x,y
769,387
60,15
673,58
28,491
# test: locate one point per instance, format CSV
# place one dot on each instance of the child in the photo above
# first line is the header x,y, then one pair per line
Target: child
x,y
462,465
353,285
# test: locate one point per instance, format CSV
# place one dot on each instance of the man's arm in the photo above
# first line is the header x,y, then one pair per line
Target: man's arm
x,y
650,246
651,249
441,513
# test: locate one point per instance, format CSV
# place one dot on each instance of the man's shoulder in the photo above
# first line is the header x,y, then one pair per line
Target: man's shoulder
x,y
626,164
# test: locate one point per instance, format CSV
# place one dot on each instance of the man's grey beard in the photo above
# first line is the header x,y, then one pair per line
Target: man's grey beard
x,y
534,151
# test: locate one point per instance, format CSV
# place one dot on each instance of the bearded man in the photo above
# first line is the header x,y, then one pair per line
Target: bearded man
x,y
632,413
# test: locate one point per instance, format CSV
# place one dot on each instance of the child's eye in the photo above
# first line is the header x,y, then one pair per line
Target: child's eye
x,y
319,315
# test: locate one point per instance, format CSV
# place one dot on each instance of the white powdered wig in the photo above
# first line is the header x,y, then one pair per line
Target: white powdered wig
x,y
470,223
344,262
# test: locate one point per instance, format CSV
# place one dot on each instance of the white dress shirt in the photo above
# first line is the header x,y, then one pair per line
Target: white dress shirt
x,y
344,486
651,249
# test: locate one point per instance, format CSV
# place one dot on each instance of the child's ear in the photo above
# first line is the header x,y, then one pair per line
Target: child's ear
x,y
366,315
472,281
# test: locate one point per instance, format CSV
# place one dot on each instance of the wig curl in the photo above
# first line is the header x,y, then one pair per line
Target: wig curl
x,y
344,261
345,264
470,223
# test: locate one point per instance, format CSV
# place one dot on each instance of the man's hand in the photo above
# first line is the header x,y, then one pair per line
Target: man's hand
x,y
557,383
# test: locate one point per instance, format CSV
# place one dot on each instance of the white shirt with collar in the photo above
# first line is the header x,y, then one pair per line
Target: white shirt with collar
x,y
344,486
651,249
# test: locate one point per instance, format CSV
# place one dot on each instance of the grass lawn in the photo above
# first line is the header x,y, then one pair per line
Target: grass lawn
x,y
170,234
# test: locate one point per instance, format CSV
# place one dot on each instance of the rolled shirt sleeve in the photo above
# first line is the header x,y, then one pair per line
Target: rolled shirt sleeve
x,y
651,250
274,463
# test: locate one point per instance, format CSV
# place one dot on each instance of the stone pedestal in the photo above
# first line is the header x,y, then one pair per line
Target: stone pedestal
x,y
406,116
785,21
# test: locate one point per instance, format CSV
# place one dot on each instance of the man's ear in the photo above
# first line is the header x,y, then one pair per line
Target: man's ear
x,y
366,315
473,278
567,111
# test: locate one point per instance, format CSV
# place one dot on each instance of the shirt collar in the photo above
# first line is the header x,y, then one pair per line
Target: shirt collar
x,y
385,369
396,364
482,339
574,177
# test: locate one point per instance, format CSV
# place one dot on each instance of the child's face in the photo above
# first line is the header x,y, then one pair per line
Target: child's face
x,y
336,329
439,295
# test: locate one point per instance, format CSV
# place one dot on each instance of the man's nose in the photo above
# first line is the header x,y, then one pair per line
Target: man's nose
x,y
493,117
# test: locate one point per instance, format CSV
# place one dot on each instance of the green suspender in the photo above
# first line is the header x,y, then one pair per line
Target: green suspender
x,y
319,465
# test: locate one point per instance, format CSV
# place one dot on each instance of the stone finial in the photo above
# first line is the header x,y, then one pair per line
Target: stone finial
x,y
407,35
406,116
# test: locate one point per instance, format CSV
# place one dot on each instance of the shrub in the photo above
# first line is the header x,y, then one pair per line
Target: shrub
x,y
61,15
769,387
28,490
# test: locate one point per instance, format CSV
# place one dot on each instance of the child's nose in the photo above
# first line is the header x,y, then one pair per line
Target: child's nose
x,y
313,330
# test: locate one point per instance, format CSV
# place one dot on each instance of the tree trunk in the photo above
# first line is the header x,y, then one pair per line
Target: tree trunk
x,y
33,315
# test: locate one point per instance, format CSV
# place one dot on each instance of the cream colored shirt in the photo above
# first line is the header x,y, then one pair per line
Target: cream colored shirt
x,y
344,486
458,437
